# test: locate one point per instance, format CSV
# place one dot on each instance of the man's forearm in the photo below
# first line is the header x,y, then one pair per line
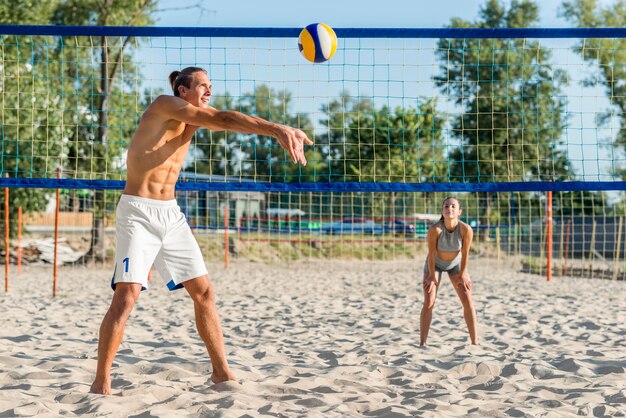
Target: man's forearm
x,y
238,122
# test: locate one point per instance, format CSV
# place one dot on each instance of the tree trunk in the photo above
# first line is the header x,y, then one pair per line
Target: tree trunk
x,y
96,250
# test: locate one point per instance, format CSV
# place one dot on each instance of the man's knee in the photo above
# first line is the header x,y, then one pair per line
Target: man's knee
x,y
206,297
125,297
201,291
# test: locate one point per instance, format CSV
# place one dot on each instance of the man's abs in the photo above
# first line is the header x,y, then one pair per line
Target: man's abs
x,y
153,175
155,157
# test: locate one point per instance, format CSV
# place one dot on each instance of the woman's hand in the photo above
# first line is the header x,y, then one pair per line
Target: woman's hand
x,y
430,283
466,282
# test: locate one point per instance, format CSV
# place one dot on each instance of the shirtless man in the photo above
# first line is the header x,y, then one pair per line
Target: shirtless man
x,y
151,229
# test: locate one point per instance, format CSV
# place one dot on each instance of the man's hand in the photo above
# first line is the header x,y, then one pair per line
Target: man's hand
x,y
293,141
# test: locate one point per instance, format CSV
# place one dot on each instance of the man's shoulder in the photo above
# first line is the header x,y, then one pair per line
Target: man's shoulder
x,y
163,100
173,106
161,106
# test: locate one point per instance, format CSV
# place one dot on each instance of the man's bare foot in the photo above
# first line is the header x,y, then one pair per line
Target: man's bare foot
x,y
100,389
222,377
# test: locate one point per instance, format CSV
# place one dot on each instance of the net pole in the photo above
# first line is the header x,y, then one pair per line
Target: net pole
x,y
6,237
19,239
549,238
56,237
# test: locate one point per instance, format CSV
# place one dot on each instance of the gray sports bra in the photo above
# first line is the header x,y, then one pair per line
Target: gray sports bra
x,y
450,242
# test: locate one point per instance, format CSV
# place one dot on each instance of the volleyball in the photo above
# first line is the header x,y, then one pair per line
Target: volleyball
x,y
317,42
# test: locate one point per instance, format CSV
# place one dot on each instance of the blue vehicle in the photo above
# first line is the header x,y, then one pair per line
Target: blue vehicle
x,y
353,226
400,227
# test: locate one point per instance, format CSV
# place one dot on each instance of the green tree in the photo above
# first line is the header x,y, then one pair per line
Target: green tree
x,y
31,136
100,71
511,104
267,160
253,156
608,54
366,143
581,203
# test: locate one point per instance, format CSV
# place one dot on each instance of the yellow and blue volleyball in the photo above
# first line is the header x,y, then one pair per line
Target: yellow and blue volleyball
x,y
317,42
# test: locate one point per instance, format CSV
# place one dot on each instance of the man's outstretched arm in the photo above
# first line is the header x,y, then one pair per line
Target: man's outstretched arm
x,y
291,139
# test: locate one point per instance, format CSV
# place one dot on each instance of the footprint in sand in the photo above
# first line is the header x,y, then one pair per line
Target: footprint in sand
x,y
228,386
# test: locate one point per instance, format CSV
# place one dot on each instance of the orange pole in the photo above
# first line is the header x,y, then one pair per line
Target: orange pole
x,y
56,237
6,237
19,239
226,236
549,238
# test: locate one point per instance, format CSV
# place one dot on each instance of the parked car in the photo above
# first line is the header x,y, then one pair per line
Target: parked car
x,y
400,227
353,226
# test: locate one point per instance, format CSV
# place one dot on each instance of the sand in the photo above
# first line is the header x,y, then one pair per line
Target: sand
x,y
321,339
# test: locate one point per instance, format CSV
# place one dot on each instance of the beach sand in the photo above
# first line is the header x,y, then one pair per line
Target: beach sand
x,y
322,339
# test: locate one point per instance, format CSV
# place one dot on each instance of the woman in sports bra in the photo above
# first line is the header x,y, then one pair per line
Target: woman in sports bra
x,y
449,242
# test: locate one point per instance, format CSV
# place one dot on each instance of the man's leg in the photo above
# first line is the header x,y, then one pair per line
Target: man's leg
x,y
208,325
111,333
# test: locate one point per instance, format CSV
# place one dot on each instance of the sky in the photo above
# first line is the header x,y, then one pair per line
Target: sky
x,y
336,13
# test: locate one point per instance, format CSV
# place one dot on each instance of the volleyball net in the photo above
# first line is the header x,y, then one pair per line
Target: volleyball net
x,y
508,120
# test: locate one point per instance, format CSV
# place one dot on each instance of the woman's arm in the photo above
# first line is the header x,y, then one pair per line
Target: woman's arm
x,y
433,234
468,235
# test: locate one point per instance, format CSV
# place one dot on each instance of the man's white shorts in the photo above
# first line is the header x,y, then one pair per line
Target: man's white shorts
x,y
154,232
